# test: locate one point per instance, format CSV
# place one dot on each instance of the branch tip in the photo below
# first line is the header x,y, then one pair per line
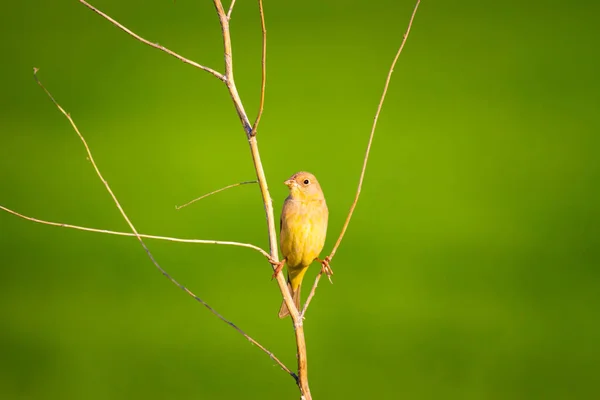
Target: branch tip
x,y
263,69
149,43
214,192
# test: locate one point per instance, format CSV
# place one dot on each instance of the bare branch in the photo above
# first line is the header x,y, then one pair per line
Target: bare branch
x,y
325,268
216,191
230,10
264,68
149,43
311,294
134,230
91,158
366,159
142,235
229,81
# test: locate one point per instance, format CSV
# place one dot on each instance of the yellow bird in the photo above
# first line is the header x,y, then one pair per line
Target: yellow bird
x,y
303,228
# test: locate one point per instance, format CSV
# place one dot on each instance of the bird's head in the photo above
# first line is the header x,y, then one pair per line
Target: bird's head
x,y
304,186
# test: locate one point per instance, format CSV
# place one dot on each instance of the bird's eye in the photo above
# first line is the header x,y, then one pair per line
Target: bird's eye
x,y
306,182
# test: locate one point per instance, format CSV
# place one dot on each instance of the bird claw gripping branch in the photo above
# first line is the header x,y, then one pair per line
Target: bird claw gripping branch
x,y
278,266
326,268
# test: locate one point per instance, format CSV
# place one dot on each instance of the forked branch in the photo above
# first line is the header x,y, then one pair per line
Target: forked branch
x,y
266,197
230,9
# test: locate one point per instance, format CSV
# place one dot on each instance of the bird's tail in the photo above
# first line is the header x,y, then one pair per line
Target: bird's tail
x,y
283,311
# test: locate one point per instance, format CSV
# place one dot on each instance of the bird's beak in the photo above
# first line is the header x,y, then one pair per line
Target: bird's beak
x,y
290,183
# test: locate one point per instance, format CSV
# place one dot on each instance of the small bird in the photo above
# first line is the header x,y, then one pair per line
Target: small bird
x,y
303,228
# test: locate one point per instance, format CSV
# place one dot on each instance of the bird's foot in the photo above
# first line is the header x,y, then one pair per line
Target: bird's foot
x,y
278,266
326,268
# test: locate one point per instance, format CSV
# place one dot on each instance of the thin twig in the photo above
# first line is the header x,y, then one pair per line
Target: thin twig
x,y
134,230
362,174
230,10
366,159
311,294
142,235
264,68
149,43
216,191
228,75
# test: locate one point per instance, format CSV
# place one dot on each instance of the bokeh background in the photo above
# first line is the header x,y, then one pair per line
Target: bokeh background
x,y
470,269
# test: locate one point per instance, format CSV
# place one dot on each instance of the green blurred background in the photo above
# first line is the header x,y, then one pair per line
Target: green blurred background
x,y
470,269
